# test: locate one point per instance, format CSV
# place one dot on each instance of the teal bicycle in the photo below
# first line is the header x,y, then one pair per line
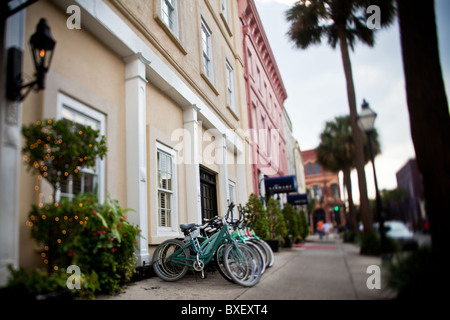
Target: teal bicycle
x,y
173,258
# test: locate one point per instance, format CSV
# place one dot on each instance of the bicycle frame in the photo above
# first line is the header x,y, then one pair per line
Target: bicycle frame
x,y
205,251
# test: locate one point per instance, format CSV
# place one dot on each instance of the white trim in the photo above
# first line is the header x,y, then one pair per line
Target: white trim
x,y
230,87
175,25
173,229
209,72
136,149
10,154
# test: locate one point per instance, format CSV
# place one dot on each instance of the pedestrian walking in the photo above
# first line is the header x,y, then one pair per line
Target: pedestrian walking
x,y
327,228
319,227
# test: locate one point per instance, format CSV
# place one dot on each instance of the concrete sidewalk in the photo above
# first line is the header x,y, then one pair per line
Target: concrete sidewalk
x,y
319,270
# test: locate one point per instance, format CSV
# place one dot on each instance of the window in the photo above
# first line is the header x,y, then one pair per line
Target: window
x,y
168,17
223,8
206,51
310,168
232,195
249,62
263,139
254,127
335,191
316,192
168,13
317,168
258,79
92,179
166,188
230,85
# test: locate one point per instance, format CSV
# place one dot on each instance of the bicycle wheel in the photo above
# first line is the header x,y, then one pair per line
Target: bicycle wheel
x,y
261,256
163,266
220,263
241,262
270,258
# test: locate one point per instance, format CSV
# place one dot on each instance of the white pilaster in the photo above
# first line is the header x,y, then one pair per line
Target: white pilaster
x,y
191,162
221,160
136,147
10,157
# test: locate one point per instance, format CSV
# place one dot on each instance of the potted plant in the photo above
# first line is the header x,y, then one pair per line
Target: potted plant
x,y
277,225
303,226
291,217
257,216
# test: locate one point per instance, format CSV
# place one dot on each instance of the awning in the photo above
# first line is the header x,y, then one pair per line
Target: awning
x,y
298,198
282,184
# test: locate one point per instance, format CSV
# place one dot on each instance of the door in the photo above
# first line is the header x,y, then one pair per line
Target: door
x,y
208,193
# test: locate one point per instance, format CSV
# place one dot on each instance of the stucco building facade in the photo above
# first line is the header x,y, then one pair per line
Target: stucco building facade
x,y
164,83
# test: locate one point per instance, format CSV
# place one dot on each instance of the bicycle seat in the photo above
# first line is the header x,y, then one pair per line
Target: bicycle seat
x,y
187,226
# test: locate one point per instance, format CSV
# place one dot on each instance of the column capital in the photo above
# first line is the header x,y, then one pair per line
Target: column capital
x,y
135,66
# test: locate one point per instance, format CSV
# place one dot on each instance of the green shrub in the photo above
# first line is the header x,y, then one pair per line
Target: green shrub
x,y
257,216
291,218
411,274
303,225
32,282
349,236
277,224
96,237
371,244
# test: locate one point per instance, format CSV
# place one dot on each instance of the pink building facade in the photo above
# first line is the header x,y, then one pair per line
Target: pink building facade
x,y
266,95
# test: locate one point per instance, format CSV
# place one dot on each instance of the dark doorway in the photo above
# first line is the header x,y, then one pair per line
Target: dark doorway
x,y
319,214
208,193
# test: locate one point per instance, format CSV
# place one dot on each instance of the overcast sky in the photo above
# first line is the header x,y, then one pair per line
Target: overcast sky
x,y
315,83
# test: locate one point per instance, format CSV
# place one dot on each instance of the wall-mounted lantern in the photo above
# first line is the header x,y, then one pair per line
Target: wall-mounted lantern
x,y
42,46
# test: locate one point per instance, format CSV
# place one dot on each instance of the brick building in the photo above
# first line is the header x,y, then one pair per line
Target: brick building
x,y
325,188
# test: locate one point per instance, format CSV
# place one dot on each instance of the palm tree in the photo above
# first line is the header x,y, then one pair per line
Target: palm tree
x,y
343,22
336,152
429,115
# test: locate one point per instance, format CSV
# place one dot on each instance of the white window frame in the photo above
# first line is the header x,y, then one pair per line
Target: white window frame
x,y
72,105
232,196
206,47
172,229
224,8
170,18
230,85
316,192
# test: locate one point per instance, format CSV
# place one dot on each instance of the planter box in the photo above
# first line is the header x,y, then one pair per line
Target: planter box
x,y
274,245
287,243
13,293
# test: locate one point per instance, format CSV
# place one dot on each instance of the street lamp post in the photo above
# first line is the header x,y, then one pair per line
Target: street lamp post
x,y
366,120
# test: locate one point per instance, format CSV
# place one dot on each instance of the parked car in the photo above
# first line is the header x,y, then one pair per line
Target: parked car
x,y
398,231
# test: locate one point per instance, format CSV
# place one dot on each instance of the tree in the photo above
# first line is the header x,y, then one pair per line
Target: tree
x,y
429,115
341,22
56,150
257,216
292,221
277,224
336,152
392,202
